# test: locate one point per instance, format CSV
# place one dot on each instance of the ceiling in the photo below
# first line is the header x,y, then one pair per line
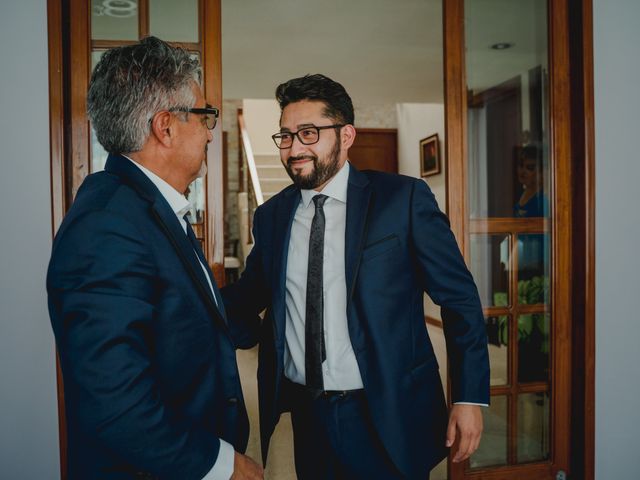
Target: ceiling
x,y
382,51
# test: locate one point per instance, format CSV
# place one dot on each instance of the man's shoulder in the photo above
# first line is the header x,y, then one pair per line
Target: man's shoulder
x,y
103,198
272,203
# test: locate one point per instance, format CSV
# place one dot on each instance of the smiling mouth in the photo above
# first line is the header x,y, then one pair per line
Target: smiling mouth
x,y
299,161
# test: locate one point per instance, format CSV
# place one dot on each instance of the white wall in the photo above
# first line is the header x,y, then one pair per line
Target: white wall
x,y
617,123
28,404
262,119
415,122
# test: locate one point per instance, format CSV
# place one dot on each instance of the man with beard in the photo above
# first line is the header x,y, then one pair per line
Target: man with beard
x,y
341,260
151,385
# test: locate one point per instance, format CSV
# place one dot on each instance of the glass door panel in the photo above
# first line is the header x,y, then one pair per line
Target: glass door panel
x,y
533,427
114,19
493,449
174,21
498,336
509,213
98,153
490,267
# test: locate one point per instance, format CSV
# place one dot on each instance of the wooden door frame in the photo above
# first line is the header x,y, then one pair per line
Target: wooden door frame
x,y
69,130
570,24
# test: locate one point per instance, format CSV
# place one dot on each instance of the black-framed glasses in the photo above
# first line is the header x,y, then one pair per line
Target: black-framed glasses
x,y
307,136
210,113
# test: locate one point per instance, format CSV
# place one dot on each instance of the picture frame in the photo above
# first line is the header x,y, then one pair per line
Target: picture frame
x,y
430,156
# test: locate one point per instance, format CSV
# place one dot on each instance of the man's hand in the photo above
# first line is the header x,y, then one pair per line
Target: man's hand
x,y
244,468
467,421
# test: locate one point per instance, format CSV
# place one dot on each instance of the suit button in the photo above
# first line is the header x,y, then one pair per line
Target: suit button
x,y
232,400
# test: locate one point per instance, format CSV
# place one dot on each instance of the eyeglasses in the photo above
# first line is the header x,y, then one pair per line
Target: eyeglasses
x,y
210,114
306,135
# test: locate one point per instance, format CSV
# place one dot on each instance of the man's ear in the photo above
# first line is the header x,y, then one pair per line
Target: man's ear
x,y
162,128
347,136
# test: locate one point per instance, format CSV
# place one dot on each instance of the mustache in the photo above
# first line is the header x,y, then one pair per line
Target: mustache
x,y
290,160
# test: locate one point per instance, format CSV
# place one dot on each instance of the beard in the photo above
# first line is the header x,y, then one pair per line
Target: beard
x,y
322,171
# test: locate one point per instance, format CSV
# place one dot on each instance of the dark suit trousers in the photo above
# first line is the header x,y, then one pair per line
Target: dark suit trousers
x,y
334,438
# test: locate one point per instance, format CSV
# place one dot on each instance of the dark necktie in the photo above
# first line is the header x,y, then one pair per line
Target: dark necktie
x,y
314,331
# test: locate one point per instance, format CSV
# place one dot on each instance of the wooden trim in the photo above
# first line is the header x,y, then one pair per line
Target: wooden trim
x,y
241,164
79,71
509,225
561,262
58,190
528,471
455,121
455,147
107,44
589,290
514,309
143,18
583,386
210,15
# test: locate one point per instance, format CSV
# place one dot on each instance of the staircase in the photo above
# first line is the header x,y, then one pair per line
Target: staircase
x,y
272,175
262,173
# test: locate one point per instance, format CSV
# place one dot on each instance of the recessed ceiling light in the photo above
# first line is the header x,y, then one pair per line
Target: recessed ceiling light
x,y
501,46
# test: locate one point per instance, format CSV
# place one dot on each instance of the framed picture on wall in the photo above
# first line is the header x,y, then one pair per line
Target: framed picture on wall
x,y
430,156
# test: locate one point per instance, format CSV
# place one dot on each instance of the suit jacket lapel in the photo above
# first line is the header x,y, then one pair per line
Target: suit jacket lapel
x,y
285,213
169,223
358,200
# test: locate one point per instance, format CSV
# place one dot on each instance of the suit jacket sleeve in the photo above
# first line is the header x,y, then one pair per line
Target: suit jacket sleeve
x,y
449,283
251,293
102,286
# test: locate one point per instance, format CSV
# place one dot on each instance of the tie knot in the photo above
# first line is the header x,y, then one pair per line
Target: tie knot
x,y
319,200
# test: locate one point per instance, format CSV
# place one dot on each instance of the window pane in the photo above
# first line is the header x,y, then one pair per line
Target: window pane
x,y
174,21
533,266
498,335
489,265
195,195
98,154
533,347
533,427
493,446
507,70
114,19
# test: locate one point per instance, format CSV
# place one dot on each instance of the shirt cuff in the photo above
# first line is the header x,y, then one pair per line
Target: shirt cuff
x,y
223,468
471,403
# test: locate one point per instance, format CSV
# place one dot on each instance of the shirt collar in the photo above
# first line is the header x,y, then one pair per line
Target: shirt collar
x,y
177,201
336,188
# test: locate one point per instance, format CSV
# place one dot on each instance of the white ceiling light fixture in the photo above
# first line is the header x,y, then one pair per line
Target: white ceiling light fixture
x,y
116,8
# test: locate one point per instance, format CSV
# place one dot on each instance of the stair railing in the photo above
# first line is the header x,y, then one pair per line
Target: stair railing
x,y
250,196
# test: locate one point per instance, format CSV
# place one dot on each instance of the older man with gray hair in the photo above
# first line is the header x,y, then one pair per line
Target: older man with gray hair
x,y
148,358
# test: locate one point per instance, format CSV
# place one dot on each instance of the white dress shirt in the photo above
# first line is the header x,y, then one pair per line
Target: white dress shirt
x,y
340,369
223,468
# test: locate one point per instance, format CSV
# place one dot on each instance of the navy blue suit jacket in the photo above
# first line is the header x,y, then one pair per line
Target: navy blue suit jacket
x,y
148,360
398,245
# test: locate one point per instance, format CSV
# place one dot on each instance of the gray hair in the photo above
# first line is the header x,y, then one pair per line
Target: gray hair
x,y
130,84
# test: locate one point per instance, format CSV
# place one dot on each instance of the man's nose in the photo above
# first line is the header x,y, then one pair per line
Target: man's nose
x,y
209,136
297,146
